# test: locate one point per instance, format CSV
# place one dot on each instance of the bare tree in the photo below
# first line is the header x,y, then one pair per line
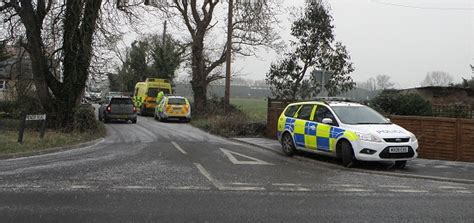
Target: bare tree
x,y
252,28
59,37
437,78
383,82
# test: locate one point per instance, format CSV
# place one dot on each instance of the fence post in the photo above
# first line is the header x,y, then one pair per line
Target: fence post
x,y
458,131
22,128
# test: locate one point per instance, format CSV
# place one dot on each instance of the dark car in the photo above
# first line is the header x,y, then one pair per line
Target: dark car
x,y
117,108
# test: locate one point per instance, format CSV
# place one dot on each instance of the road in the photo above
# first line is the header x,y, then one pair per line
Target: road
x,y
173,172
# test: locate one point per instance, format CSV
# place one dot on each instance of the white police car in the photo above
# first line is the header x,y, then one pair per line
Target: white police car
x,y
346,130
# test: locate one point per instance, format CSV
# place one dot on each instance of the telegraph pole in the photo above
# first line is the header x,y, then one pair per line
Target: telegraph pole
x,y
228,56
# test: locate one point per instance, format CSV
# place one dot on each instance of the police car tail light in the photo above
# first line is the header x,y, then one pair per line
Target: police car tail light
x,y
368,137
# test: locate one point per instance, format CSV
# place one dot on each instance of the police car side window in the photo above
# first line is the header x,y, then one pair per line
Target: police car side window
x,y
323,112
305,112
291,111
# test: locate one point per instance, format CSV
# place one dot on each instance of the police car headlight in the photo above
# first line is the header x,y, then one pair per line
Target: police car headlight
x,y
368,137
413,137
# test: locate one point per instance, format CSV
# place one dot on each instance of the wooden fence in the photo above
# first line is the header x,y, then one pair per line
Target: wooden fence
x,y
439,138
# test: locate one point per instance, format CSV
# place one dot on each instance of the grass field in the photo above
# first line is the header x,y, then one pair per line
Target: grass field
x,y
255,108
32,142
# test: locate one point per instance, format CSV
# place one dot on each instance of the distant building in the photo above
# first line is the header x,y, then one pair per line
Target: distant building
x,y
12,70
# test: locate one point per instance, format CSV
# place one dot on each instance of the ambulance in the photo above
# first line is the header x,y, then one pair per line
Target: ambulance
x,y
144,96
346,130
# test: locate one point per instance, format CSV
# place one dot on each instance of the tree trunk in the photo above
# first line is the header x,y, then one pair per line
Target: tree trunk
x,y
199,81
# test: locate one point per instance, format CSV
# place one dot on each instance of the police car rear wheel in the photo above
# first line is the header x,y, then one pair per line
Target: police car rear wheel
x,y
400,164
347,154
287,144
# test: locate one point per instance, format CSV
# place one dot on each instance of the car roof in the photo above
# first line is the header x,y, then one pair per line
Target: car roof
x,y
118,96
175,96
328,103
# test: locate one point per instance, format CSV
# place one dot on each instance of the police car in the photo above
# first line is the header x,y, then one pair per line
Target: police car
x,y
346,130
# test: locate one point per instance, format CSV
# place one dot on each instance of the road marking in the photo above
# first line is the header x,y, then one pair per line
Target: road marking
x,y
79,187
179,148
300,189
285,184
135,187
219,185
462,191
189,188
354,190
243,184
208,175
408,191
452,187
233,159
393,186
241,188
347,185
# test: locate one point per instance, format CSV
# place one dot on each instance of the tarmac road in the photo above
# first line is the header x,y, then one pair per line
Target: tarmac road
x,y
173,172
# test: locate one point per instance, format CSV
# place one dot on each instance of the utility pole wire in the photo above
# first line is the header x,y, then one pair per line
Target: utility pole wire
x,y
420,7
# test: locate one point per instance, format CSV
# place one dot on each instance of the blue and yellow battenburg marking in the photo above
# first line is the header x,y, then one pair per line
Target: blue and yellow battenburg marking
x,y
313,135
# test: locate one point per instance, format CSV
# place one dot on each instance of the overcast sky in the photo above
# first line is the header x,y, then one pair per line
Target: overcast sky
x,y
404,42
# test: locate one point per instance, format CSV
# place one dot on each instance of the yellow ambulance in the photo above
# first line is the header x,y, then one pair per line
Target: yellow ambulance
x,y
144,96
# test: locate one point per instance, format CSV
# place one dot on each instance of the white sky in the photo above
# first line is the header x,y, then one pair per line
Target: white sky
x,y
404,43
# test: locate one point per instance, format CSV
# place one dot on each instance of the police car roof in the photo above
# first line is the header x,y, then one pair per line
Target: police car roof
x,y
330,103
174,96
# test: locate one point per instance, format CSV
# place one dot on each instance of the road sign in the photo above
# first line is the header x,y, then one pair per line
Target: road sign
x,y
41,117
35,117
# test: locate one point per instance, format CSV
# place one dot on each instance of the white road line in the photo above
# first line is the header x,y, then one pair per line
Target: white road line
x,y
408,191
189,188
452,187
347,185
393,186
462,191
301,189
179,148
220,186
243,184
255,161
285,184
208,175
135,187
241,188
354,190
79,187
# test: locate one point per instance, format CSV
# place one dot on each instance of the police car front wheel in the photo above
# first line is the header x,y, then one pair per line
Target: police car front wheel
x,y
347,154
287,144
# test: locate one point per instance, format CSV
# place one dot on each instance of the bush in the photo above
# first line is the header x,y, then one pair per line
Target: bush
x,y
392,102
84,119
14,109
235,123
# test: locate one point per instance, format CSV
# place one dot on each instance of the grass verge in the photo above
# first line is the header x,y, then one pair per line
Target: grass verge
x,y
52,139
256,109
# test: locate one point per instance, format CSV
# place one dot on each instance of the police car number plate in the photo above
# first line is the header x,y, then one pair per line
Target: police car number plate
x,y
398,149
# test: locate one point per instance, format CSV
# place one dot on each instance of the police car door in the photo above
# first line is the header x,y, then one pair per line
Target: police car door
x,y
323,131
300,131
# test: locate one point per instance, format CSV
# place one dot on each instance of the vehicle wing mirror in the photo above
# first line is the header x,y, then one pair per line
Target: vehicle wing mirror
x,y
388,120
327,121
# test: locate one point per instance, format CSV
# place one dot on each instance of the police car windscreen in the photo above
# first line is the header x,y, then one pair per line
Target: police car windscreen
x,y
152,92
359,115
176,101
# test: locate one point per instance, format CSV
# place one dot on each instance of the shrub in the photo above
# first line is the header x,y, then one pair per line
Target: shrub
x,y
392,102
84,119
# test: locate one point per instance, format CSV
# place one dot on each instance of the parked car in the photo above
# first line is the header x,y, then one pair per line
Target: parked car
x,y
117,108
173,107
346,130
